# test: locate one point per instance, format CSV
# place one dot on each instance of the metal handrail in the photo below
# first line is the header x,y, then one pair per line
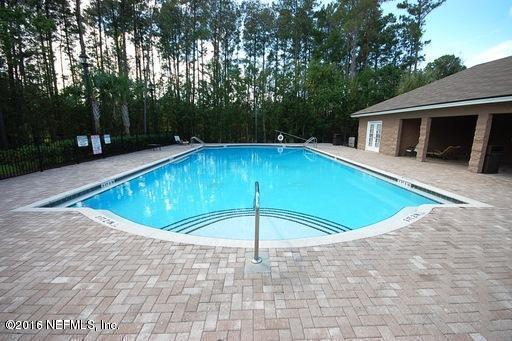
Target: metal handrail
x,y
294,136
256,259
313,140
197,139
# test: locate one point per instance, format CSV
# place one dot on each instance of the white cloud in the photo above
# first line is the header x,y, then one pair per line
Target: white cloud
x,y
501,50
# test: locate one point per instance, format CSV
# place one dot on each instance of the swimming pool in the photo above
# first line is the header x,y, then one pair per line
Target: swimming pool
x,y
209,193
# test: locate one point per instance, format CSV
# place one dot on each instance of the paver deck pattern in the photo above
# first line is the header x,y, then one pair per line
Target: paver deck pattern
x,y
447,276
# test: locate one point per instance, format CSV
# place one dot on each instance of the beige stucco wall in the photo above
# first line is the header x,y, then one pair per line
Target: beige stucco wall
x,y
391,128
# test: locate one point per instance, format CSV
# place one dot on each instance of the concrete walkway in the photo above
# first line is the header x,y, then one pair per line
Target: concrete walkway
x,y
447,276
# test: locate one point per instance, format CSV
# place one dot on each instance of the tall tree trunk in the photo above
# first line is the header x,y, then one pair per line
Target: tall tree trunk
x,y
49,39
153,77
170,84
95,44
416,53
69,49
177,68
43,61
194,48
202,63
125,116
3,132
124,96
352,55
254,93
276,67
115,31
264,80
136,44
89,100
100,33
63,77
187,74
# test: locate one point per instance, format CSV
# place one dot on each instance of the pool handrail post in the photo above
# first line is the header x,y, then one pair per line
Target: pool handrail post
x,y
197,139
313,140
256,259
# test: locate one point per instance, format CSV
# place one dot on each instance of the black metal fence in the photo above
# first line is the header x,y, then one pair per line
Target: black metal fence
x,y
39,156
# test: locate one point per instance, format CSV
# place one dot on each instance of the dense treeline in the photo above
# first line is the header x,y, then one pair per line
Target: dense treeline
x,y
219,69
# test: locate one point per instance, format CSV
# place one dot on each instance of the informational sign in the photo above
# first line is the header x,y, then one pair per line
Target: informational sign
x,y
106,138
96,144
82,141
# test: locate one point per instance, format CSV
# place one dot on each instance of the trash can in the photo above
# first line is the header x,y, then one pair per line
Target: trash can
x,y
352,142
493,159
337,140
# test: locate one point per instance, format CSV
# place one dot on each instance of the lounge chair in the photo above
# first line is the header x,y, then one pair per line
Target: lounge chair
x,y
446,153
155,146
411,150
178,140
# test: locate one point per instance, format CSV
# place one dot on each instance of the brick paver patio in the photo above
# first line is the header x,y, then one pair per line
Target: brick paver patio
x,y
447,276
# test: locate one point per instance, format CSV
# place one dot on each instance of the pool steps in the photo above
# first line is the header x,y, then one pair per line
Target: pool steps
x,y
197,222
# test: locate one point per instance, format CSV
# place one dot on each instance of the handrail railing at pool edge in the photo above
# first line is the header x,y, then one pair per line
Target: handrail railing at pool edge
x,y
195,138
256,259
313,140
288,134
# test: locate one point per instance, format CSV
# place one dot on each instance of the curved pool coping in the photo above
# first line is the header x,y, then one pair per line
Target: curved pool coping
x,y
402,218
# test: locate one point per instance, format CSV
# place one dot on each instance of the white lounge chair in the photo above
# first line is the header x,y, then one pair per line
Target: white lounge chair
x,y
449,152
411,150
178,140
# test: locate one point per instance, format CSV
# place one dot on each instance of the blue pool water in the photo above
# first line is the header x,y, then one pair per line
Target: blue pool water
x,y
205,193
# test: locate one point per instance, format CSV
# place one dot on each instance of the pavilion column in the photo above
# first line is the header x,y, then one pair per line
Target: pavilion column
x,y
398,137
480,140
421,149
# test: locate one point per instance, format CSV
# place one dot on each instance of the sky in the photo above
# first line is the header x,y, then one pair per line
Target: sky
x,y
476,31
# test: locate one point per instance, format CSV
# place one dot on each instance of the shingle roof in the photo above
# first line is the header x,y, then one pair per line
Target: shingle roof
x,y
488,80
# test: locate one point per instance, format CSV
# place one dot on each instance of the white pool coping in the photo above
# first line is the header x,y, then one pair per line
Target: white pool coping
x,y
404,217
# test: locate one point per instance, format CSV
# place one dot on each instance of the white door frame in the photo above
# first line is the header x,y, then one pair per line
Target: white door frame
x,y
373,136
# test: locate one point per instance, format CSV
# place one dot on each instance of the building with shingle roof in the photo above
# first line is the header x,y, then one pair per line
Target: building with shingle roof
x,y
465,117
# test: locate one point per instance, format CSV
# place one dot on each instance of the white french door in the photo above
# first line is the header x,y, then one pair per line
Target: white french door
x,y
373,134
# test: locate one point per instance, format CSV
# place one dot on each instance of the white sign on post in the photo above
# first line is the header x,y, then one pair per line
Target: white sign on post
x,y
82,141
96,144
106,138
